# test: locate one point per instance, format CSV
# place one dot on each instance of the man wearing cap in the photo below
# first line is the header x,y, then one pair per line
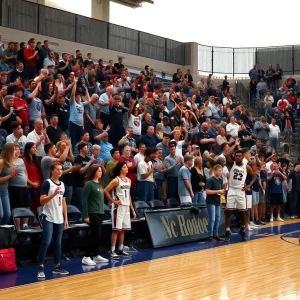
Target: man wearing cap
x,y
8,114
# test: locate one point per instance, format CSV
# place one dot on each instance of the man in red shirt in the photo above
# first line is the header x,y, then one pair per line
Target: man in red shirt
x,y
282,104
30,55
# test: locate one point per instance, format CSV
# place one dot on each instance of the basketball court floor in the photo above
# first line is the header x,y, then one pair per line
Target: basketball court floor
x,y
265,267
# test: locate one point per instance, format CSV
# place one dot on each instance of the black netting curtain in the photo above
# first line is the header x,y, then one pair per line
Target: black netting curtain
x,y
276,55
91,32
223,60
244,59
152,46
21,15
57,23
204,58
175,52
123,39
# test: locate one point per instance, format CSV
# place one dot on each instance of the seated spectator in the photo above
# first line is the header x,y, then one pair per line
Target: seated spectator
x,y
18,72
290,82
85,137
232,128
17,136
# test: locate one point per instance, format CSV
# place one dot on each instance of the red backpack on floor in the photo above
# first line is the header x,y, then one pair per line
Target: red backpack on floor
x,y
7,260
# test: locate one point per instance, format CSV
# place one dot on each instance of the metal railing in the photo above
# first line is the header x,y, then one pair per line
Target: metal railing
x,y
40,19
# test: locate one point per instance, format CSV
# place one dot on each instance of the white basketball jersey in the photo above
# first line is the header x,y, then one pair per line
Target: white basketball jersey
x,y
237,176
122,191
53,210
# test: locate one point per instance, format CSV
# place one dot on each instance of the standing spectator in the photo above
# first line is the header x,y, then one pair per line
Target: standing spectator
x,y
149,139
252,73
205,139
270,77
61,109
44,53
295,196
18,191
145,177
261,129
18,72
90,113
226,84
261,87
30,56
282,103
21,106
53,130
274,135
39,137
85,137
104,104
232,128
141,154
106,147
64,67
173,163
268,103
128,140
164,145
10,55
17,136
159,173
135,119
275,179
185,190
93,203
198,181
49,159
54,219
76,114
34,180
7,172
85,162
8,114
36,108
115,154
214,189
278,76
118,66
116,120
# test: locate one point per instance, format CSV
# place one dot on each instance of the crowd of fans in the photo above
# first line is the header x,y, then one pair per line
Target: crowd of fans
x,y
80,113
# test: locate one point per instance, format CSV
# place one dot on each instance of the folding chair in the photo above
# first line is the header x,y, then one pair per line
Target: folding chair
x,y
140,207
156,204
39,212
34,233
173,203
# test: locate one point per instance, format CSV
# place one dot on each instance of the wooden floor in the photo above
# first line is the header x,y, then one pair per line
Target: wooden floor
x,y
267,268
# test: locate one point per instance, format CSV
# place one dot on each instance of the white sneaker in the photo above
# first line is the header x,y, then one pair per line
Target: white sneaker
x,y
87,261
254,228
293,217
271,219
279,219
248,228
253,225
100,259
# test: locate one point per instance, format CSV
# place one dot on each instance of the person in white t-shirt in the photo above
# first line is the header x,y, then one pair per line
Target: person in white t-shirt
x,y
145,176
179,144
274,134
140,155
54,219
232,128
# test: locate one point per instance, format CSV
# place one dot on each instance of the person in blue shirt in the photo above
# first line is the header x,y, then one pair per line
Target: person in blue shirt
x,y
275,179
76,114
105,148
149,139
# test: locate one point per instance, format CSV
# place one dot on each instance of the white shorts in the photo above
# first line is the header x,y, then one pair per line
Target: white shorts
x,y
236,199
120,216
185,199
249,201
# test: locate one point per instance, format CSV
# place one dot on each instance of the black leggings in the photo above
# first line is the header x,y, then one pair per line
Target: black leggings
x,y
94,238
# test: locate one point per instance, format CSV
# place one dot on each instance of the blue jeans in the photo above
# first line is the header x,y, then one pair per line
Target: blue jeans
x,y
274,143
214,216
55,231
75,133
77,197
157,192
4,208
146,191
199,198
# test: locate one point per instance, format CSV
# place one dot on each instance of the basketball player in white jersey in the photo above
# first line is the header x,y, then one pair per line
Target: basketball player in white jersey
x,y
121,205
54,219
236,198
